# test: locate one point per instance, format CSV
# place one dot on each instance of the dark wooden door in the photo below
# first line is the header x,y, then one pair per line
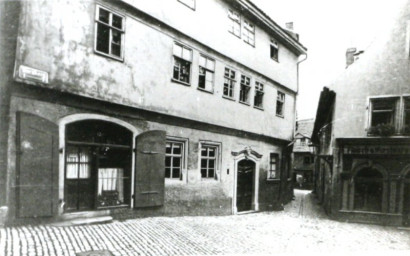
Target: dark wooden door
x,y
406,203
245,185
150,169
37,166
79,183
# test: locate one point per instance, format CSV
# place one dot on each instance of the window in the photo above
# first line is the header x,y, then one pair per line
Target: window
x,y
303,141
280,102
182,63
206,73
258,100
245,87
109,33
78,163
368,190
209,160
174,158
229,82
307,160
189,3
274,50
234,23
273,172
383,111
249,33
407,115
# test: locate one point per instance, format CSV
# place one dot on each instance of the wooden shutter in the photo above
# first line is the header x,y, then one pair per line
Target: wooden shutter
x,y
150,169
37,166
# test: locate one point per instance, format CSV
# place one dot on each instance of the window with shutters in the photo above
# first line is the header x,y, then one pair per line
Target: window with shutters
x,y
206,73
258,98
234,23
182,63
109,36
209,159
229,83
280,103
244,90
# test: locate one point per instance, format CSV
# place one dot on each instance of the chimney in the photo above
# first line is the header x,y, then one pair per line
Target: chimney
x,y
350,56
289,26
289,30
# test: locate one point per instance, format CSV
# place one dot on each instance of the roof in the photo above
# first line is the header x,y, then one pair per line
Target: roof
x,y
264,19
324,110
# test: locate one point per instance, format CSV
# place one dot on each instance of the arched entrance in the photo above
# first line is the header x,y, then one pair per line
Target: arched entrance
x,y
97,165
245,185
368,190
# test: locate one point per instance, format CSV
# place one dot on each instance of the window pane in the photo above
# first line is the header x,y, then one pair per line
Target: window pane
x,y
203,173
211,152
104,15
382,118
167,173
211,163
103,38
177,149
202,61
176,172
204,163
167,161
116,49
383,104
203,152
168,148
211,173
177,50
176,162
116,21
210,65
72,171
186,54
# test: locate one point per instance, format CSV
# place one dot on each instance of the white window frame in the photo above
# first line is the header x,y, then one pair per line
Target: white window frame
x,y
184,158
259,91
234,19
218,152
274,46
229,83
188,3
182,57
111,28
246,85
270,171
249,32
208,66
281,97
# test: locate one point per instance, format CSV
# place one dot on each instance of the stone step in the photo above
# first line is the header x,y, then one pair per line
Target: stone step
x,y
83,215
83,221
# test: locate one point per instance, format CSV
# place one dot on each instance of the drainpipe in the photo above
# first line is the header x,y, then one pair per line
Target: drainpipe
x,y
297,88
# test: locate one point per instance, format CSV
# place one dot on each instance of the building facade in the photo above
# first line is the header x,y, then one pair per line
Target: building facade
x,y
362,136
303,158
139,107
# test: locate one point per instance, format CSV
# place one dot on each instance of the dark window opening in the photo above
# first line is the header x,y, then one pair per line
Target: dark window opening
x,y
258,99
182,63
274,51
109,34
280,101
407,115
368,192
383,111
245,88
206,73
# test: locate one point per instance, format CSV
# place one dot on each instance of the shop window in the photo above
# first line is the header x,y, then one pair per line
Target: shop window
x,y
368,190
209,160
258,98
206,73
188,3
182,63
280,103
78,163
273,172
274,50
234,23
249,33
245,88
229,83
109,38
174,159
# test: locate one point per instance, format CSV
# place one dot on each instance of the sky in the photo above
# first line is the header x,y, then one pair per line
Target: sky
x,y
327,28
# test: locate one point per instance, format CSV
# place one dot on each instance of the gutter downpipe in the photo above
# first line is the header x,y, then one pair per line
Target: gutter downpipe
x,y
297,89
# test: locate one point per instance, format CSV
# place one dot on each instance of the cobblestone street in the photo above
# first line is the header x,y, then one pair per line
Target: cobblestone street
x,y
301,227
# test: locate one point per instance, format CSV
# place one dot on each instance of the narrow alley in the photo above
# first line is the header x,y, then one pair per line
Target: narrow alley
x,y
302,226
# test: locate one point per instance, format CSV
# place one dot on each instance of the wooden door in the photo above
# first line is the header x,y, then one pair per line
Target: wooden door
x,y
37,166
79,182
150,169
245,185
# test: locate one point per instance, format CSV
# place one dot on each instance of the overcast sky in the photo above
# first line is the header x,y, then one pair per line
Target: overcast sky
x,y
327,28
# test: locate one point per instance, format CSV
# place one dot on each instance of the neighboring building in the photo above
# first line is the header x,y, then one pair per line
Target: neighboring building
x,y
303,158
138,107
362,136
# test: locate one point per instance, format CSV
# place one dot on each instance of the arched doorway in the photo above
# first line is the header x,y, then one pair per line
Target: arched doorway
x,y
97,165
368,190
245,185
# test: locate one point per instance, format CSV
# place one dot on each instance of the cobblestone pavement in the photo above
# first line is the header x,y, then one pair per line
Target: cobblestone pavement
x,y
302,227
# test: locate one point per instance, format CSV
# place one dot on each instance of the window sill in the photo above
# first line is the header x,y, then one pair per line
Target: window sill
x,y
281,116
180,82
260,108
204,90
113,207
244,103
253,45
120,59
277,60
234,34
211,180
228,98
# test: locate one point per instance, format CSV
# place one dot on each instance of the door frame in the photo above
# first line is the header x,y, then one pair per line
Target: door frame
x,y
247,154
62,140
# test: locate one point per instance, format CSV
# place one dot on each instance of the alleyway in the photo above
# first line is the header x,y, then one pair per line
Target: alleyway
x,y
302,227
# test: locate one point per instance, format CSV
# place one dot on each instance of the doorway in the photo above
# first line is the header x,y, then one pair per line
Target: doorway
x,y
245,185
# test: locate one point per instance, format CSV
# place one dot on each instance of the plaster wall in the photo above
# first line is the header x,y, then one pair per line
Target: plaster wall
x,y
58,37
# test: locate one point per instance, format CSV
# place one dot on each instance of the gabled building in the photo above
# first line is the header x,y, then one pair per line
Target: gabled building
x,y
303,158
135,107
362,136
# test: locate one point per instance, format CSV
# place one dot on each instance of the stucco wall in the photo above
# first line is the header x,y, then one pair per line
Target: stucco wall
x,y
58,37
